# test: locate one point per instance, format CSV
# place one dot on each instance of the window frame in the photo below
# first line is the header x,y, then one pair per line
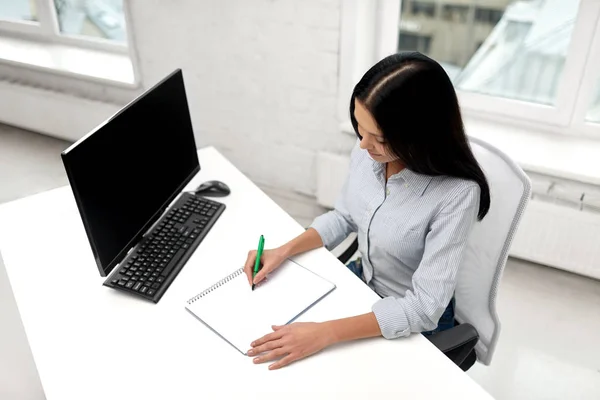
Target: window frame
x,y
590,84
370,32
46,29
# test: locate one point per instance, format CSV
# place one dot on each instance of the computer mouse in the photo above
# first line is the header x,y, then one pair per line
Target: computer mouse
x,y
213,189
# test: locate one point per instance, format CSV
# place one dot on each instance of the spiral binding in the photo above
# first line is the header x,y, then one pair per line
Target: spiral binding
x,y
223,281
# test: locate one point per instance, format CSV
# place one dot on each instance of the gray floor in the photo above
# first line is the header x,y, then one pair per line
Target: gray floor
x,y
550,342
29,163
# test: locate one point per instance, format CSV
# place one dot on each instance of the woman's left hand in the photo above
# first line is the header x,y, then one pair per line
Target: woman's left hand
x,y
292,342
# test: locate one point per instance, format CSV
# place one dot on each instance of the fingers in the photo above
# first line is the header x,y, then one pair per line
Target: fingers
x,y
262,273
284,361
267,338
250,265
270,356
272,345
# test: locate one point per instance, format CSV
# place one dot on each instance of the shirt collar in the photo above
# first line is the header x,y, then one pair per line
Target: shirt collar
x,y
413,180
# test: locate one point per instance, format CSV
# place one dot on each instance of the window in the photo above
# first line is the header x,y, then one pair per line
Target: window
x,y
488,15
82,39
515,50
101,18
410,41
422,8
97,24
529,62
455,13
17,10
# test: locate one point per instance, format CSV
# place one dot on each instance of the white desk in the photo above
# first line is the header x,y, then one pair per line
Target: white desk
x,y
92,342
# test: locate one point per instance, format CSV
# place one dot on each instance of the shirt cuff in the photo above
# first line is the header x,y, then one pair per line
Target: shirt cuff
x,y
391,318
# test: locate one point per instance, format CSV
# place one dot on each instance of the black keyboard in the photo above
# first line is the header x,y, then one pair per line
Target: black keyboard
x,y
149,269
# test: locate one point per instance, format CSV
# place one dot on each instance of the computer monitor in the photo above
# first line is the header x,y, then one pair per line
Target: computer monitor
x,y
130,168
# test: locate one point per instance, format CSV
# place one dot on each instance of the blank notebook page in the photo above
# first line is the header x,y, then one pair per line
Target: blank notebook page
x,y
240,315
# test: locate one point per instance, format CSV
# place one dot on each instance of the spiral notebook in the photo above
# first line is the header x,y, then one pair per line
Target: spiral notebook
x,y
239,315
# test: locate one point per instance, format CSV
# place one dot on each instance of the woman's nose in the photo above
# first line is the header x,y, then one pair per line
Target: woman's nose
x,y
364,143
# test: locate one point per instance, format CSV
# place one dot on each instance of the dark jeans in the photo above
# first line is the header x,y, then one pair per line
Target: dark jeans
x,y
446,320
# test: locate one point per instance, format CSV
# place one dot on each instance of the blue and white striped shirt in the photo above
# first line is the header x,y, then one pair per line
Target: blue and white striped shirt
x,y
412,233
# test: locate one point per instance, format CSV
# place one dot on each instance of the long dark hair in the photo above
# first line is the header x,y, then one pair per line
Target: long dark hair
x,y
414,103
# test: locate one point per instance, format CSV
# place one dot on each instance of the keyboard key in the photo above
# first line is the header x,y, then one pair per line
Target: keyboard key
x,y
151,292
173,262
114,281
130,284
185,246
137,286
133,278
144,289
155,285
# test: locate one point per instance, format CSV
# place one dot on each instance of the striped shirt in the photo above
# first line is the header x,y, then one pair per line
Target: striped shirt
x,y
412,232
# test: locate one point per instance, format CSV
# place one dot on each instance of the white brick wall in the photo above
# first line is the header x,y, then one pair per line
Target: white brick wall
x,y
261,77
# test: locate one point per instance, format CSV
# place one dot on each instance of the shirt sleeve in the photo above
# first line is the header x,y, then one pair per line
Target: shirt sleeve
x,y
434,281
335,225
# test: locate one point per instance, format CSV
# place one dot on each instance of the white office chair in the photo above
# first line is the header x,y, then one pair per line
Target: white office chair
x,y
475,336
489,245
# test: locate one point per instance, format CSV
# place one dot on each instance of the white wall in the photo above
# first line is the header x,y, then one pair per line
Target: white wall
x,y
261,78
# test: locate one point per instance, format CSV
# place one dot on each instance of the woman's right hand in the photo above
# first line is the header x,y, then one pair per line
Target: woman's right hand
x,y
271,260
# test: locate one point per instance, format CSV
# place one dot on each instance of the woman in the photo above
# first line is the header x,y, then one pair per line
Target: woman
x,y
413,193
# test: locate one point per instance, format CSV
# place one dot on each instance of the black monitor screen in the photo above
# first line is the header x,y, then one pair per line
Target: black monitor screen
x,y
131,167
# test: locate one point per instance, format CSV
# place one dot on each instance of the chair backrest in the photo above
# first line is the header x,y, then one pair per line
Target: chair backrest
x,y
489,245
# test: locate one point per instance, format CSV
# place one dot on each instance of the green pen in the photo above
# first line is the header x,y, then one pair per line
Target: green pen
x,y
261,245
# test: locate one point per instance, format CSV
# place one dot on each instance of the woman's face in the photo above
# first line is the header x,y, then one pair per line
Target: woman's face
x,y
372,138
